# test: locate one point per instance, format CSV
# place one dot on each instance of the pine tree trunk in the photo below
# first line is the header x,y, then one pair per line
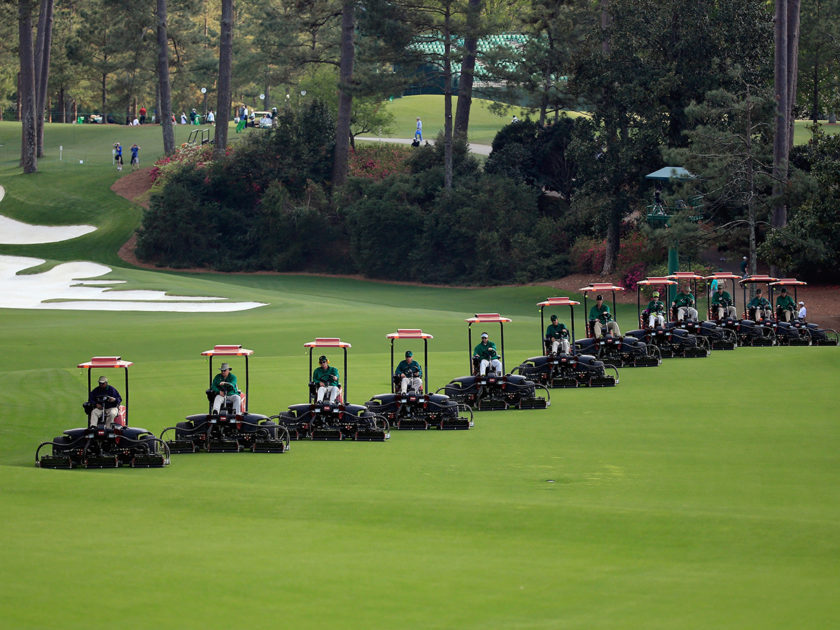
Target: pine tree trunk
x,y
447,97
28,136
225,63
465,85
780,146
793,64
345,95
613,241
164,111
42,68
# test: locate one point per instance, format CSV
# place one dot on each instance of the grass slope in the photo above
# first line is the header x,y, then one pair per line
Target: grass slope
x,y
703,493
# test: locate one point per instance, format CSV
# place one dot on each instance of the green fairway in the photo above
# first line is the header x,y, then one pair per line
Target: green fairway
x,y
429,107
704,493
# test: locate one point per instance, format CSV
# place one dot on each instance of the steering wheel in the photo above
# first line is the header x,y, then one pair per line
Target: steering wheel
x,y
225,387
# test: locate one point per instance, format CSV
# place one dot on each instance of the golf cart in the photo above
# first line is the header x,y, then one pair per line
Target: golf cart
x,y
819,336
757,332
415,409
493,390
102,445
227,431
793,332
671,341
565,370
619,351
330,422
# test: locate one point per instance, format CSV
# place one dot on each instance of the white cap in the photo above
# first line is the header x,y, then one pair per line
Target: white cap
x,y
802,304
484,335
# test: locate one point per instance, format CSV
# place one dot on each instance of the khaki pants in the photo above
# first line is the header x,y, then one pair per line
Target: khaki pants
x,y
237,403
110,416
562,344
612,327
682,311
410,383
729,311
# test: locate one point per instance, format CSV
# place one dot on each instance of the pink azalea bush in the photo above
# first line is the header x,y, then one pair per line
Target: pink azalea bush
x,y
378,161
199,155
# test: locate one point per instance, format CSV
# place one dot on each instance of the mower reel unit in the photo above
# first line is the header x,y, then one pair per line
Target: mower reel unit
x,y
417,410
325,422
559,370
493,391
672,341
101,446
227,432
621,351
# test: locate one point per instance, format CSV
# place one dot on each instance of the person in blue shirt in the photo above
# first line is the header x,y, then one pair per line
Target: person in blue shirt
x,y
410,373
135,157
418,134
105,401
118,155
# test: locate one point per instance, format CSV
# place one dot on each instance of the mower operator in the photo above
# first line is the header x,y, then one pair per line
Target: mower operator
x,y
486,352
655,310
600,318
327,380
685,305
759,307
104,400
722,303
784,306
224,386
558,336
410,373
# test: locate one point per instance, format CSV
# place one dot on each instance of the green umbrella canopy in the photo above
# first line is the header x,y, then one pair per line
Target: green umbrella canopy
x,y
670,172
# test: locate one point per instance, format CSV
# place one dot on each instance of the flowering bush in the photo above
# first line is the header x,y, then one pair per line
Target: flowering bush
x,y
378,161
199,155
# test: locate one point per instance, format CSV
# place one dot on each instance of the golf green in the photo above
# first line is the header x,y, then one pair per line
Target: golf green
x,y
704,493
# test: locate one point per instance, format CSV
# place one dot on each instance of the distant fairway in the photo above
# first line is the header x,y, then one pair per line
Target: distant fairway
x,y
701,494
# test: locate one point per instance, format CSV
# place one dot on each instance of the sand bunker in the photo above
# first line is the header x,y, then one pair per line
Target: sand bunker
x,y
16,233
67,287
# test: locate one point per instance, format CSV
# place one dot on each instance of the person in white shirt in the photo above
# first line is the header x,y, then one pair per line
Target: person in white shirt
x,y
803,313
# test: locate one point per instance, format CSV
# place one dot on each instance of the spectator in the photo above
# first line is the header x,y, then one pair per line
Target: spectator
x,y
142,115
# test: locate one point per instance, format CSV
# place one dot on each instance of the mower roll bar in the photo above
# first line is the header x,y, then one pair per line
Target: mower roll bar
x,y
487,318
411,333
556,301
108,362
329,342
230,351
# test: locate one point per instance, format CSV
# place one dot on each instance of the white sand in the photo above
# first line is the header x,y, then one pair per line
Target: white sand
x,y
65,283
62,287
16,233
